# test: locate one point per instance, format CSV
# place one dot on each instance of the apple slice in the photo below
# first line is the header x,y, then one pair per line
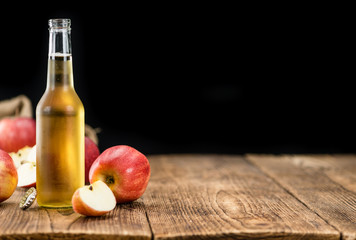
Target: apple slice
x,y
21,155
27,175
27,169
31,157
93,200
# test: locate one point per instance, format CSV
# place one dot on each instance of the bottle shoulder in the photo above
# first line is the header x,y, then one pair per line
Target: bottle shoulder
x,y
60,101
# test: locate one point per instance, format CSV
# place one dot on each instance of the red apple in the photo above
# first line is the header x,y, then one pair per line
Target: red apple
x,y
124,169
8,176
91,153
16,133
94,200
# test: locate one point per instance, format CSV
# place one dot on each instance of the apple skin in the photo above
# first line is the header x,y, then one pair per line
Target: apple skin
x,y
124,169
80,207
91,153
8,176
16,133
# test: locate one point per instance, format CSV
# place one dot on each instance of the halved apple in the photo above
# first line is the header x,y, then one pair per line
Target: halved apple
x,y
20,156
25,162
27,175
27,170
93,200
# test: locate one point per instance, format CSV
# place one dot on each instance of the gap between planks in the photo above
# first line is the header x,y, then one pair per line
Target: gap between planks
x,y
289,192
174,167
324,183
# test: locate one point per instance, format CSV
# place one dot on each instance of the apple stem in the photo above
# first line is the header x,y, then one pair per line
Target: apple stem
x,y
91,188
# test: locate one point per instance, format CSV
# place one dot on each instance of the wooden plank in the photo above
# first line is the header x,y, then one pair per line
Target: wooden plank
x,y
126,221
326,184
214,197
339,168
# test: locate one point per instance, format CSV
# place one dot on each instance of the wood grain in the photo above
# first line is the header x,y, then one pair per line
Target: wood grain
x,y
127,221
325,184
214,197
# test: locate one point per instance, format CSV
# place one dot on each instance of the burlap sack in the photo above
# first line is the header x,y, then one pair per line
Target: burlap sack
x,y
21,106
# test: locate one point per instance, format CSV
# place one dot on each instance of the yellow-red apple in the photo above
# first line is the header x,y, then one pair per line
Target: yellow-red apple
x,y
94,200
16,133
91,153
124,169
8,176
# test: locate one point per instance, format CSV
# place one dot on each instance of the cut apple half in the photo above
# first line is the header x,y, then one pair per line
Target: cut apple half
x,y
21,155
27,175
31,157
93,200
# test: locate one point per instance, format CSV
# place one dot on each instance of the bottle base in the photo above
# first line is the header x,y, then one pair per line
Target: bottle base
x,y
55,205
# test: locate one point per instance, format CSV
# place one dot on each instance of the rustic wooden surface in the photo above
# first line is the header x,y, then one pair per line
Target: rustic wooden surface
x,y
214,197
127,221
325,184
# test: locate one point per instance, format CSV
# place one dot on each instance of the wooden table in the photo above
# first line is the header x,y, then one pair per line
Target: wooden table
x,y
214,197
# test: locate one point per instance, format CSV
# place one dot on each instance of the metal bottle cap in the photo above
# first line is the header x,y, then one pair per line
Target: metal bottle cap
x,y
28,199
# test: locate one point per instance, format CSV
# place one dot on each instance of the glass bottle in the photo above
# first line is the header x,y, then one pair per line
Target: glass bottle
x,y
60,125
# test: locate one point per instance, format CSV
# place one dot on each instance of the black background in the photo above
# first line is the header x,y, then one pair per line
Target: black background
x,y
203,78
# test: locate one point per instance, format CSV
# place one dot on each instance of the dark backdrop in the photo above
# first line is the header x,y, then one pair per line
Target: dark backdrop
x,y
197,78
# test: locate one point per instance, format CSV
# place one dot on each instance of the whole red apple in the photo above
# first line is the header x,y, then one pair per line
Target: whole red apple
x,y
8,176
124,169
16,133
91,153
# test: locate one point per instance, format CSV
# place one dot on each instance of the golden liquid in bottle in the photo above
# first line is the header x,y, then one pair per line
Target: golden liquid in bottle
x,y
60,138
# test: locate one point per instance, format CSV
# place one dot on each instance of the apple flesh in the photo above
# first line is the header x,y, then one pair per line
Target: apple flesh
x,y
124,169
16,133
91,153
8,176
20,157
25,163
27,175
94,200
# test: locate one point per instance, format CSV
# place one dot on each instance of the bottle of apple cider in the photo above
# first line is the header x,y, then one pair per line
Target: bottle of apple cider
x,y
60,125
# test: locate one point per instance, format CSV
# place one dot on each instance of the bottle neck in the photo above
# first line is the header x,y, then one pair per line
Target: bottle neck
x,y
60,73
59,37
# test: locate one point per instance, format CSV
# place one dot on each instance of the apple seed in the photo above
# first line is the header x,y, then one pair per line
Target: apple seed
x,y
91,188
